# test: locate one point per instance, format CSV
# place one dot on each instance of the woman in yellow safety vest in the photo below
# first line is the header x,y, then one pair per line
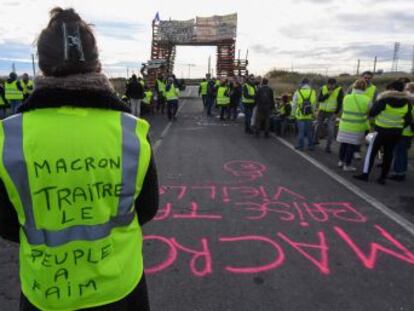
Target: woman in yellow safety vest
x,y
77,181
353,124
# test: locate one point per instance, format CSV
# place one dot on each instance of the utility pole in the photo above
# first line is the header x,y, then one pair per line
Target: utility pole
x,y
33,66
412,66
209,64
375,65
14,67
358,66
396,56
127,72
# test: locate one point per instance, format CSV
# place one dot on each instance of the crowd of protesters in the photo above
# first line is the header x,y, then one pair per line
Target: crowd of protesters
x,y
357,117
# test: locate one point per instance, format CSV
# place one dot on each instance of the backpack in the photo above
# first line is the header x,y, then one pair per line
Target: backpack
x,y
306,108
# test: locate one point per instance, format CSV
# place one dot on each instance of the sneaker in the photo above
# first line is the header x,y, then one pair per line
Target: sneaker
x,y
299,148
363,177
357,156
340,164
349,168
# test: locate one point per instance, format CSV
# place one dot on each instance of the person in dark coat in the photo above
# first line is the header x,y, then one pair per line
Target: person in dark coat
x,y
135,92
265,103
235,98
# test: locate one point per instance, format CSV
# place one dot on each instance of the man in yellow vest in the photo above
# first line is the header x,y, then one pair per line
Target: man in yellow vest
x,y
249,101
304,106
172,94
77,182
27,86
13,92
223,97
400,166
160,90
147,101
392,113
330,103
202,90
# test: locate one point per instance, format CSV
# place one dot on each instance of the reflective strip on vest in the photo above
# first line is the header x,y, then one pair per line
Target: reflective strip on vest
x,y
392,117
330,104
251,90
13,155
12,92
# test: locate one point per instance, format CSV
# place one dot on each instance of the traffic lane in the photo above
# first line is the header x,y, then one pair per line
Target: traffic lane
x,y
306,247
10,285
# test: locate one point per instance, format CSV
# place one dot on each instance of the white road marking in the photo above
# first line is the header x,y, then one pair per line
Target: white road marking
x,y
164,133
407,225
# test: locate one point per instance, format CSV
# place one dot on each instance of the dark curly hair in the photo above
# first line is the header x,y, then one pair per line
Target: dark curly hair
x,y
51,45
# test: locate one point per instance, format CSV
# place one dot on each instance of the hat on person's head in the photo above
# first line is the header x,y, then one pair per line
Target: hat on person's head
x,y
13,75
67,45
305,81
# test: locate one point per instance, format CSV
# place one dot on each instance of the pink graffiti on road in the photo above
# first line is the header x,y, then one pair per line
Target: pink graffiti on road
x,y
315,254
245,171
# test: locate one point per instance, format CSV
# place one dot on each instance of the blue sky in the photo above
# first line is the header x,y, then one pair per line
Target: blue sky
x,y
308,35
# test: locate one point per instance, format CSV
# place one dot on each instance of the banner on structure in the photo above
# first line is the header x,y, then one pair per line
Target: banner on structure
x,y
200,30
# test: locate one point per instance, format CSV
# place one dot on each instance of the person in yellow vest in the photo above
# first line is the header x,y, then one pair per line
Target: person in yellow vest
x,y
172,94
78,181
13,92
400,166
283,113
353,124
27,86
223,98
160,90
392,112
3,103
304,107
202,91
147,101
249,101
372,93
330,104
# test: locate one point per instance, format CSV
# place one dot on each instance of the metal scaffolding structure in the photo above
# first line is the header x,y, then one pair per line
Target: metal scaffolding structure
x,y
219,31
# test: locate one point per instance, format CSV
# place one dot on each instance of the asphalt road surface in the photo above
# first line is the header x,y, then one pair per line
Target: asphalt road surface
x,y
248,224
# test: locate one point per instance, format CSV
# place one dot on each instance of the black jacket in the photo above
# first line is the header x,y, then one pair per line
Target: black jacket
x,y
96,97
235,95
265,99
396,100
134,89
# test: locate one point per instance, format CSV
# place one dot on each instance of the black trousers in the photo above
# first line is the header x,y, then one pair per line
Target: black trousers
x,y
386,139
137,300
172,107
